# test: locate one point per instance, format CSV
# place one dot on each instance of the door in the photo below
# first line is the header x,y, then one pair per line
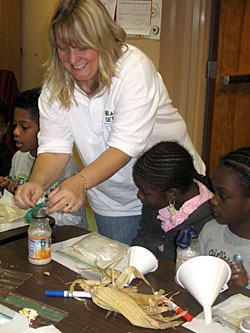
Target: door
x,y
228,109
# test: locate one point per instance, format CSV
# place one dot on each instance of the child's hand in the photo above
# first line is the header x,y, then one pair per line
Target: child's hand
x,y
12,186
4,182
239,275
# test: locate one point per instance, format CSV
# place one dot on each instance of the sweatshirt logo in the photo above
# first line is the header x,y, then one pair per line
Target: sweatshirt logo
x,y
109,118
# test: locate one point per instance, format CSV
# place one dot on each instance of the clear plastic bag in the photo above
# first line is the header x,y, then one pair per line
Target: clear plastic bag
x,y
10,280
232,311
8,210
95,249
47,315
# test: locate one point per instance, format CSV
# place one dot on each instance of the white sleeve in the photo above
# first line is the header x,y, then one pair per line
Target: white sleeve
x,y
54,135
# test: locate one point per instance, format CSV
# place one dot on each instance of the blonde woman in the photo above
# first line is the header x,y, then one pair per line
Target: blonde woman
x,y
106,97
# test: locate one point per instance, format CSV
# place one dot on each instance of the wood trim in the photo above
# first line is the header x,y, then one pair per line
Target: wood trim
x,y
214,38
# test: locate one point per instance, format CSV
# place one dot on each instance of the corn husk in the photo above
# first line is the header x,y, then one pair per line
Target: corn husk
x,y
143,310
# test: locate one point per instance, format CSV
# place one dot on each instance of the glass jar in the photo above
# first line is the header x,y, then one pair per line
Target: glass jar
x,y
39,238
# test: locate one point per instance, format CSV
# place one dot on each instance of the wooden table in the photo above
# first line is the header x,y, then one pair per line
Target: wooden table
x,y
13,256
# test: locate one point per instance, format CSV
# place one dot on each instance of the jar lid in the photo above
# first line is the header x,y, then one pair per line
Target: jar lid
x,y
39,213
29,215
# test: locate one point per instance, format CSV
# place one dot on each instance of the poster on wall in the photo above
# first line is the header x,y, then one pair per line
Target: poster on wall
x,y
134,16
139,18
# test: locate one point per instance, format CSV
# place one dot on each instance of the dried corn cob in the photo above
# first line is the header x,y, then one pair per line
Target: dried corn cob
x,y
140,309
115,300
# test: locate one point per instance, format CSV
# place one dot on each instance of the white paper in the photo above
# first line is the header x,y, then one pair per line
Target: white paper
x,y
110,6
235,302
134,16
198,325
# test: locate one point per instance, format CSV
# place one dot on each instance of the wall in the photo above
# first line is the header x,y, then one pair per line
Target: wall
x,y
10,36
35,43
180,55
35,20
183,55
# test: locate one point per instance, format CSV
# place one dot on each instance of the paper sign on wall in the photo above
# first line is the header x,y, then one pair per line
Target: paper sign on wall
x,y
139,18
134,16
110,6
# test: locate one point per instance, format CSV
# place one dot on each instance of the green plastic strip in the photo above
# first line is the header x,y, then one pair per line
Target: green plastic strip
x,y
76,259
28,216
34,307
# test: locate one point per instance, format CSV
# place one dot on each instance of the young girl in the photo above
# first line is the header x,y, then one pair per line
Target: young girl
x,y
173,196
26,128
228,236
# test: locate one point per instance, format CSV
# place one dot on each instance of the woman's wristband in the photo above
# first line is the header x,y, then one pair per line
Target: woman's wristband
x,y
84,180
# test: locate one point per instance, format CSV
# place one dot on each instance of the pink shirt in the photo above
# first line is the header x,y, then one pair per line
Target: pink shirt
x,y
171,221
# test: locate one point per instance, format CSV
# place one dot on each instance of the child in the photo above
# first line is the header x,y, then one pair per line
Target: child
x,y
173,197
229,235
26,127
5,152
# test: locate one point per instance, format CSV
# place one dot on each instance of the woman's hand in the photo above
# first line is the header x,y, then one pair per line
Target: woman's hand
x,y
68,196
239,275
27,195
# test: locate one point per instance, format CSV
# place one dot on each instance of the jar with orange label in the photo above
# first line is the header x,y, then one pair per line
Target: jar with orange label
x,y
39,238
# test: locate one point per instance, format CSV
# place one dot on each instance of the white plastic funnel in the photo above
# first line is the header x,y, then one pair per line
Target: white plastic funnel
x,y
142,259
204,277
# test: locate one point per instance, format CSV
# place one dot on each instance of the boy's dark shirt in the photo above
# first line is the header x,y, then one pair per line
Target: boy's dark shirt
x,y
5,159
151,234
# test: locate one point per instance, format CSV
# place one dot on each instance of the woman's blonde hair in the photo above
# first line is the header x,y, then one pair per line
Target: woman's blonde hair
x,y
83,23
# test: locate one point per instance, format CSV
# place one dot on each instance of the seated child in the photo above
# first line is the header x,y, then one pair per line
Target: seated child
x,y
5,152
26,127
229,235
173,196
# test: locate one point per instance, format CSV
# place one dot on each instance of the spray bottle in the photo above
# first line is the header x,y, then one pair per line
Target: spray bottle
x,y
188,245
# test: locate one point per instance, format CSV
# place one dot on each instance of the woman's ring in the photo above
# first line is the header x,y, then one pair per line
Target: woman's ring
x,y
68,206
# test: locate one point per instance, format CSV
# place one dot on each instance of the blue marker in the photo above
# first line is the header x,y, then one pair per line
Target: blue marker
x,y
65,293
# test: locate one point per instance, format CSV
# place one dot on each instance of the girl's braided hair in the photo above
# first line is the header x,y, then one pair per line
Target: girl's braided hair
x,y
239,163
168,165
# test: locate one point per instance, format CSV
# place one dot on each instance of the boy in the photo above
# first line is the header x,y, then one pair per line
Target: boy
x,y
26,128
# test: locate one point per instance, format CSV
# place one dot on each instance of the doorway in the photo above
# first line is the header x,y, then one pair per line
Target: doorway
x,y
227,125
